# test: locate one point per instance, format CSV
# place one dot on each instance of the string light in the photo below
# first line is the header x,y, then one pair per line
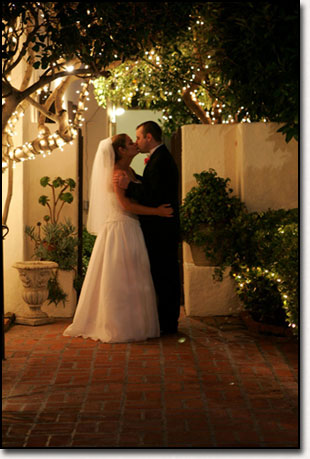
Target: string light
x,y
241,279
47,142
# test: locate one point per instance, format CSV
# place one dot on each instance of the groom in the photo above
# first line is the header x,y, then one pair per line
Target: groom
x,y
160,186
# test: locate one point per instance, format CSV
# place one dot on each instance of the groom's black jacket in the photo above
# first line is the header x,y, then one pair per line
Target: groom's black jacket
x,y
160,186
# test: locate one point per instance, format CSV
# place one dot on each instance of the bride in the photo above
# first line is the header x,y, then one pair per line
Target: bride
x,y
117,301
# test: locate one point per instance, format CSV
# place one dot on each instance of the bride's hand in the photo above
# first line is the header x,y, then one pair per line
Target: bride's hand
x,y
121,179
165,210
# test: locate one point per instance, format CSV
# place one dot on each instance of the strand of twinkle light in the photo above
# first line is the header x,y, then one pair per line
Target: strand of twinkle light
x,y
84,95
54,140
27,150
11,132
151,55
241,281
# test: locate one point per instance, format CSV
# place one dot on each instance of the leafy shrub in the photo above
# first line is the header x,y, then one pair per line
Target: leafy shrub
x,y
260,247
88,241
55,242
206,218
267,272
87,248
260,296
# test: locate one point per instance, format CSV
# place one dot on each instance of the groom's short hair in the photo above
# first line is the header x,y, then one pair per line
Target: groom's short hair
x,y
150,127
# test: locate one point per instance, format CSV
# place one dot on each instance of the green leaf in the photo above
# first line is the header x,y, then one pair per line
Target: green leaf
x,y
71,183
44,181
55,292
58,182
67,197
43,200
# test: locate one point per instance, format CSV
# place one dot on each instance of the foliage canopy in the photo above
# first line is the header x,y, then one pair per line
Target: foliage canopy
x,y
234,62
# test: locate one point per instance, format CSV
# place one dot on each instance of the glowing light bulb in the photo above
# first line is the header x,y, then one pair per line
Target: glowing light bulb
x,y
119,111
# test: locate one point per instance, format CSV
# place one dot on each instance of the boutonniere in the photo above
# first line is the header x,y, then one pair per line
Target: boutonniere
x,y
146,160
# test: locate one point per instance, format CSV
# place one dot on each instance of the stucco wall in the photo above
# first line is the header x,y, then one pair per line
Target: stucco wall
x,y
269,172
263,170
25,209
94,130
13,245
205,146
60,163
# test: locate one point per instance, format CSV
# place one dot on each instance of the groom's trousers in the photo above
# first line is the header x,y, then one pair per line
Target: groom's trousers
x,y
162,246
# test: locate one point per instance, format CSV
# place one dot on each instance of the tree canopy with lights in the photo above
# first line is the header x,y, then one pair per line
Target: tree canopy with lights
x,y
235,62
49,41
198,62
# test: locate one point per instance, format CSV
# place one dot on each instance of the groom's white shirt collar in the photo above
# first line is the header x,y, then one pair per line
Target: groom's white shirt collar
x,y
155,148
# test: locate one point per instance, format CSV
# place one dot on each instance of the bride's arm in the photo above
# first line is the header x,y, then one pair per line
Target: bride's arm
x,y
165,210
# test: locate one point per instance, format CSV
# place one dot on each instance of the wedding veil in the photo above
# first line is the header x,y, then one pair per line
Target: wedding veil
x,y
102,200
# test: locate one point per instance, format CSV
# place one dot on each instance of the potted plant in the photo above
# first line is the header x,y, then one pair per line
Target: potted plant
x,y
35,276
207,215
55,240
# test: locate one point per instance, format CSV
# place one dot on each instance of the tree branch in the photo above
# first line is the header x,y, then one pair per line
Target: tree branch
x,y
60,91
191,104
30,61
54,203
42,109
62,204
195,108
45,143
48,79
9,193
50,209
25,45
7,88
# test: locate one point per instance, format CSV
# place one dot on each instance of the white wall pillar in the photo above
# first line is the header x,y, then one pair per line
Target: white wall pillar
x,y
263,170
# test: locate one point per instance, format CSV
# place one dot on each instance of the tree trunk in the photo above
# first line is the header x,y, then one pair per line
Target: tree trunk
x,y
8,109
9,194
191,104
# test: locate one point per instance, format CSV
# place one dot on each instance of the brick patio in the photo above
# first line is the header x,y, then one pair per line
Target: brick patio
x,y
214,385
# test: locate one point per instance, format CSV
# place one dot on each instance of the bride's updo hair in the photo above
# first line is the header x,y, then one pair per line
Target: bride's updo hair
x,y
118,140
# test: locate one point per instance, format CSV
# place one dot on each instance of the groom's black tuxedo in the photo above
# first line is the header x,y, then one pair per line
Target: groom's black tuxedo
x,y
160,186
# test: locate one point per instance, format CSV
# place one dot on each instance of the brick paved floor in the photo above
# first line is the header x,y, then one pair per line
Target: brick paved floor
x,y
214,385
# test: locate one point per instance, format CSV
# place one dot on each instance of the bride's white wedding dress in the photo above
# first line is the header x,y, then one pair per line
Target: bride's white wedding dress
x,y
117,301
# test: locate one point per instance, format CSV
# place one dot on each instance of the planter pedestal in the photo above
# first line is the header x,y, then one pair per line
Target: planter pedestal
x,y
203,296
34,276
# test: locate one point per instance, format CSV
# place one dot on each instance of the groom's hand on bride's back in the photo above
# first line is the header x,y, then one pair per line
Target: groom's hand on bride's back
x,y
165,210
121,179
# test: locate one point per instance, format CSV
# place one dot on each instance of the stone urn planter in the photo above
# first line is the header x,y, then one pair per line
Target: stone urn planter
x,y
34,276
